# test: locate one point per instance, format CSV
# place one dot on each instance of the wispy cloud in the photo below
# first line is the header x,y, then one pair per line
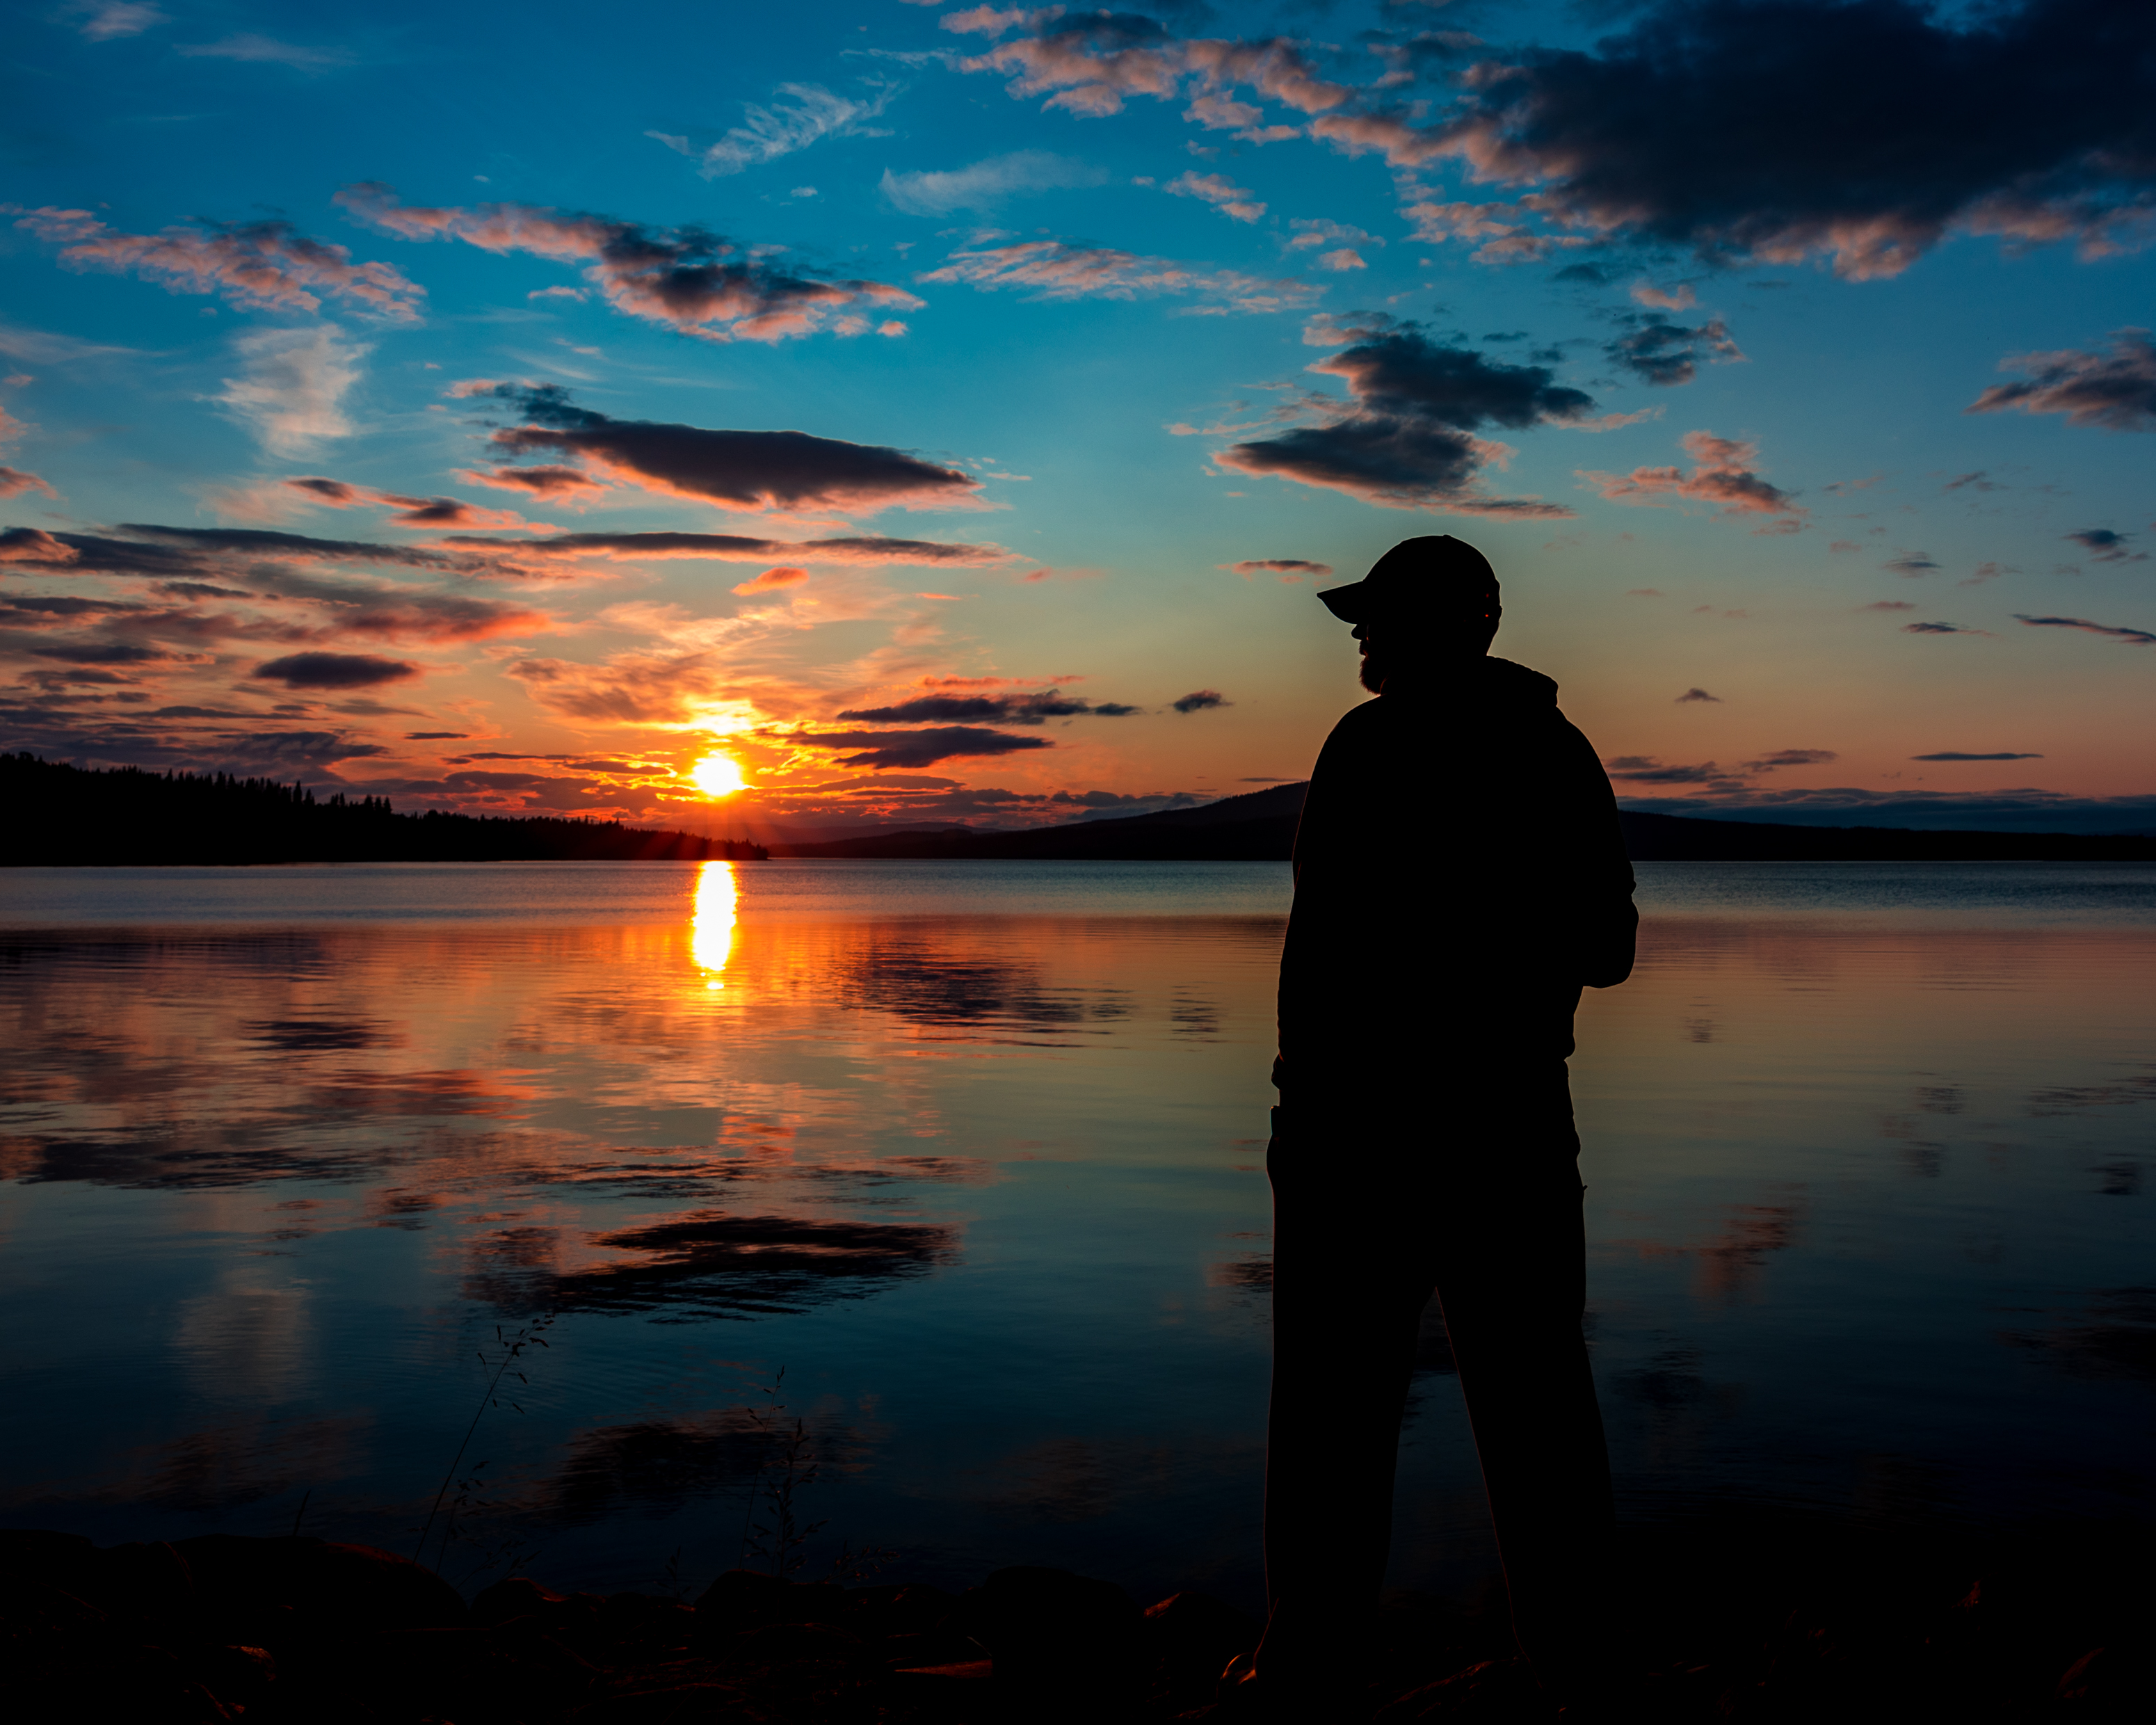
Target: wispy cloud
x,y
784,128
43,347
109,20
292,386
1053,271
987,183
1223,193
266,50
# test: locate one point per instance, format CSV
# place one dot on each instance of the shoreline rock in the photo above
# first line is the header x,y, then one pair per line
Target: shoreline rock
x,y
1712,1627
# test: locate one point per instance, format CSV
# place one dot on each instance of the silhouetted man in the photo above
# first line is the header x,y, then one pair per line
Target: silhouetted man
x,y
1459,875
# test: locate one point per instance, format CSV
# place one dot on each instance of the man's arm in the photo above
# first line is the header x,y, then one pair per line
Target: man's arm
x,y
1608,922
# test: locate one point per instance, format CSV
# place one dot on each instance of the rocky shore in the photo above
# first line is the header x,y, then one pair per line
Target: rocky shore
x,y
1714,1626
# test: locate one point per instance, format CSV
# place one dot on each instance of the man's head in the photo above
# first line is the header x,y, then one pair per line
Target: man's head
x,y
1425,603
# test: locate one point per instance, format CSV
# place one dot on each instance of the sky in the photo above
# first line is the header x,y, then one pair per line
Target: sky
x,y
895,414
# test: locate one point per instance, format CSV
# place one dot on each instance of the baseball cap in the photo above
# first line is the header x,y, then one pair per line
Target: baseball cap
x,y
1433,573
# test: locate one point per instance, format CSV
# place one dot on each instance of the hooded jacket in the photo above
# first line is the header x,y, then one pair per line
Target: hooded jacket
x,y
1431,925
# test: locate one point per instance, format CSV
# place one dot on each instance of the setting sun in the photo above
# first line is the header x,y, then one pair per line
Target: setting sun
x,y
718,776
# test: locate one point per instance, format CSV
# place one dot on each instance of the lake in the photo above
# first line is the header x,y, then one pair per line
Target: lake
x,y
972,1152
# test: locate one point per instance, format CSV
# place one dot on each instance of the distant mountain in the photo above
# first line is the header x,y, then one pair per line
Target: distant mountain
x,y
62,815
1256,827
1260,827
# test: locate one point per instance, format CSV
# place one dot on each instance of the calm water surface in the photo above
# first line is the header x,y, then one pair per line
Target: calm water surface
x,y
974,1152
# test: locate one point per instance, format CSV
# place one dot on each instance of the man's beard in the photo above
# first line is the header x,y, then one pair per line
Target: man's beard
x,y
1374,671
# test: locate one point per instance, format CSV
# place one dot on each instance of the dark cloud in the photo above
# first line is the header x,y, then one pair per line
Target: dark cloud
x,y
1773,130
1646,769
82,662
735,470
881,749
101,653
176,553
1120,802
1408,440
1198,700
329,491
32,545
1394,368
201,590
37,608
410,511
1957,755
2135,637
687,277
992,709
2114,391
733,547
1941,628
266,265
551,482
1278,566
1791,758
1657,352
335,671
2106,547
1696,695
434,736
1911,563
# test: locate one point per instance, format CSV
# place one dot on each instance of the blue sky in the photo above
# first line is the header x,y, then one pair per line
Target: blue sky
x,y
1790,366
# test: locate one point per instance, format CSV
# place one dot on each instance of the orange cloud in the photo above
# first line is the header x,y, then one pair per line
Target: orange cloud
x,y
772,579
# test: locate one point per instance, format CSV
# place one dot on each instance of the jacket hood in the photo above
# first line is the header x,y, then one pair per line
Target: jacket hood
x,y
1515,685
1492,682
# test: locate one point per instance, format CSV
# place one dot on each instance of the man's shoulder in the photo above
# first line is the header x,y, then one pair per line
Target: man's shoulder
x,y
1362,728
1364,715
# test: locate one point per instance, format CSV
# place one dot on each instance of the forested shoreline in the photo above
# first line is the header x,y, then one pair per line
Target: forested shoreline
x,y
62,815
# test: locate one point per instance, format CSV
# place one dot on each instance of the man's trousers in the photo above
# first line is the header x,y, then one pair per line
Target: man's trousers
x,y
1376,1209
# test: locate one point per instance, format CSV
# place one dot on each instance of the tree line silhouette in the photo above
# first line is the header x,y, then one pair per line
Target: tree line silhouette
x,y
62,815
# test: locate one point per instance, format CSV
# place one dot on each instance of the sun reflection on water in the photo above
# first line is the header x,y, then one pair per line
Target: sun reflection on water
x,y
711,929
